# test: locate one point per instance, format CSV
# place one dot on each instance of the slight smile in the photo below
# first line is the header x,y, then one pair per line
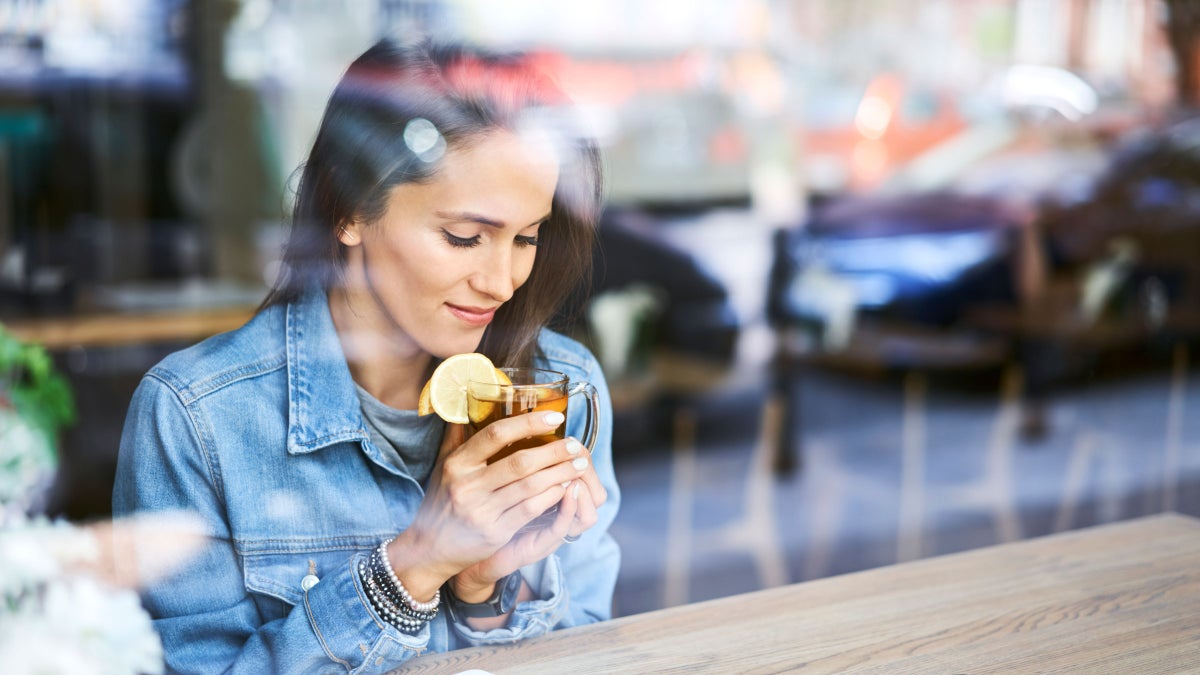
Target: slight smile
x,y
475,316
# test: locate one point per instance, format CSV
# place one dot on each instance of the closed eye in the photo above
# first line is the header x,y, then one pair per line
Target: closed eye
x,y
523,240
461,242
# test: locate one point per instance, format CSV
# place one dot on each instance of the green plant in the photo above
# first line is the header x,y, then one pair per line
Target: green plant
x,y
30,385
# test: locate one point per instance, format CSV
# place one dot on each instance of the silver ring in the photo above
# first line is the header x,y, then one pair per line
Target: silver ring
x,y
571,540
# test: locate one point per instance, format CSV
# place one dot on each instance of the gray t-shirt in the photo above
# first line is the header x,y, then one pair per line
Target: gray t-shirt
x,y
408,441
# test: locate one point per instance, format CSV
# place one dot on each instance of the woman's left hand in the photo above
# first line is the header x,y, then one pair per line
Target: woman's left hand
x,y
577,512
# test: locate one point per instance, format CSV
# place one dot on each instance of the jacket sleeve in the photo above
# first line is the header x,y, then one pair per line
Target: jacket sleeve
x,y
574,586
206,618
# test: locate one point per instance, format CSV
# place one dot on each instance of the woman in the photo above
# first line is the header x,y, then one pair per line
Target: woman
x,y
445,207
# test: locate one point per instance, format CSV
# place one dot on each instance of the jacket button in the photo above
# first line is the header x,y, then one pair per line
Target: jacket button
x,y
309,581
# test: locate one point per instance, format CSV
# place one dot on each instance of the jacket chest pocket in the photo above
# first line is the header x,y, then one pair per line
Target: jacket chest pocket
x,y
275,571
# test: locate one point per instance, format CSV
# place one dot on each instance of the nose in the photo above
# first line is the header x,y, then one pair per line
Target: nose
x,y
494,277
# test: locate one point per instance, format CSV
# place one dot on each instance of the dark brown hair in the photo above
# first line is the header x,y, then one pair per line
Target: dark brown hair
x,y
360,154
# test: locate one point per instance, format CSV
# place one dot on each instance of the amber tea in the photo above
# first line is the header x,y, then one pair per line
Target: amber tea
x,y
531,390
484,408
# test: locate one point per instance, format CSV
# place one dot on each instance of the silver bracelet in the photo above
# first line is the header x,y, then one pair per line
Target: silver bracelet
x,y
383,596
413,603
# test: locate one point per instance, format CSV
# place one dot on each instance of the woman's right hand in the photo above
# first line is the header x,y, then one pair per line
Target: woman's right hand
x,y
472,509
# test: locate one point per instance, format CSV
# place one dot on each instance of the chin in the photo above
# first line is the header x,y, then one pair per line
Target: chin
x,y
445,346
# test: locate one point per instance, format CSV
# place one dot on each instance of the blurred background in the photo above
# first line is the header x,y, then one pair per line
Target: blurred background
x,y
878,279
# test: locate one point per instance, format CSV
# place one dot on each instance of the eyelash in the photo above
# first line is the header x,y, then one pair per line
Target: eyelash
x,y
472,242
461,242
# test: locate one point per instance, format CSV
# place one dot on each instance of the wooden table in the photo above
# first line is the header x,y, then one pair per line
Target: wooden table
x,y
114,329
1118,598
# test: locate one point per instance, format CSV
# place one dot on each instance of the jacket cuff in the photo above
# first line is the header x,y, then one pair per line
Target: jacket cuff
x,y
350,631
530,618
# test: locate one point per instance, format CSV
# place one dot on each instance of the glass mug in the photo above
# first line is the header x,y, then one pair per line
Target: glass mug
x,y
531,390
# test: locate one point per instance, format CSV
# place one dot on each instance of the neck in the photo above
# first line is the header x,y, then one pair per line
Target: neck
x,y
382,360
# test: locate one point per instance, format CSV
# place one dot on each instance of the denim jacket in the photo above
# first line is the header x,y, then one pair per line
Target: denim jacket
x,y
259,432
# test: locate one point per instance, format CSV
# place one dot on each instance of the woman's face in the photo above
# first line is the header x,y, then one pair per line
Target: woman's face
x,y
448,252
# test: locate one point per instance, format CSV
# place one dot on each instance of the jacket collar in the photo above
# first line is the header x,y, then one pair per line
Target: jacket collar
x,y
323,405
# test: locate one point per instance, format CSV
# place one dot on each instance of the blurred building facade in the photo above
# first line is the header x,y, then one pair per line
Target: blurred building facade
x,y
168,130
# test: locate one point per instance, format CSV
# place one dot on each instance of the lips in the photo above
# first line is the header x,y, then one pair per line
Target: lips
x,y
474,316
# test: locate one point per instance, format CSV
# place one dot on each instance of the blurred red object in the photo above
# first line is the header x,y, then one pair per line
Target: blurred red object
x,y
893,122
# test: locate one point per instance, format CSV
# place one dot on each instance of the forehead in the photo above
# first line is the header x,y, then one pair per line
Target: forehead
x,y
502,175
528,155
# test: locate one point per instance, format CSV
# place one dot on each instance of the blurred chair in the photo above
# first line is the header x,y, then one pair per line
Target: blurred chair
x,y
754,532
813,330
993,490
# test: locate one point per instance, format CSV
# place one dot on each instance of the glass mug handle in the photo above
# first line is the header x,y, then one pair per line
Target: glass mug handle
x,y
592,418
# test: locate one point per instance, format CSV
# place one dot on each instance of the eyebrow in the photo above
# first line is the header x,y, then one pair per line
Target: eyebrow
x,y
468,216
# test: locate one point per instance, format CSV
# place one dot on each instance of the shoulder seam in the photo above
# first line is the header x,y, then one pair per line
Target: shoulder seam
x,y
190,392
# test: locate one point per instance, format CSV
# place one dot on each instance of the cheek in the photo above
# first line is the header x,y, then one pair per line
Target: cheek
x,y
522,267
421,265
433,276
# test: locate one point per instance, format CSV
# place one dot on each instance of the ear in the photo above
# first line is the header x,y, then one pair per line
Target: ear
x,y
350,233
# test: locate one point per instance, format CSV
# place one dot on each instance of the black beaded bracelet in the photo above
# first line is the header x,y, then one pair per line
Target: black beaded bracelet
x,y
381,574
396,616
394,591
382,597
390,599
416,605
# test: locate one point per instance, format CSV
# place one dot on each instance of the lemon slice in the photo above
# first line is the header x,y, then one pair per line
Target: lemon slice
x,y
448,385
480,409
424,407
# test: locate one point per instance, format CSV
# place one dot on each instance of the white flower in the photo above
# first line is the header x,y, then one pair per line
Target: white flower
x,y
55,619
27,461
78,626
30,644
35,551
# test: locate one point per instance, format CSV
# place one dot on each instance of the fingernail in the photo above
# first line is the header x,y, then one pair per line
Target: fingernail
x,y
575,491
580,463
565,483
553,418
574,447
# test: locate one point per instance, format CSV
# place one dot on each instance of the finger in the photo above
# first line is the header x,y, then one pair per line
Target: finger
x,y
514,482
502,433
568,509
522,464
520,513
595,487
558,476
586,514
548,539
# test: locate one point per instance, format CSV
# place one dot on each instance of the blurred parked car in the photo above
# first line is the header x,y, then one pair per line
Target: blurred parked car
x,y
1041,244
859,139
1117,226
886,279
1021,162
915,258
892,273
854,137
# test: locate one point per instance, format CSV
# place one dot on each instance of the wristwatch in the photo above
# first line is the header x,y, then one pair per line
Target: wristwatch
x,y
503,599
